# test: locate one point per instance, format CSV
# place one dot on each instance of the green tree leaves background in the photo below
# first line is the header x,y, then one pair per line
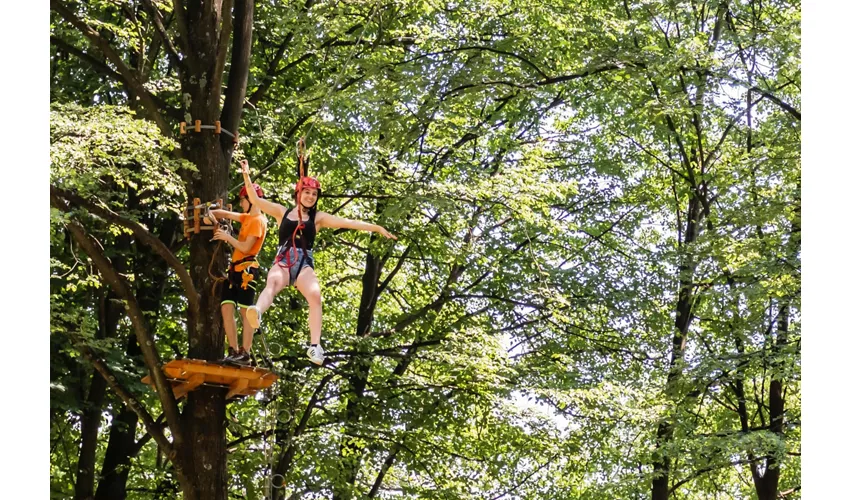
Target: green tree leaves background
x,y
543,164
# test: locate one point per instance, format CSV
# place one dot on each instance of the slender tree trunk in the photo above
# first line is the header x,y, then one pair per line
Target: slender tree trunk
x,y
90,425
109,315
152,273
767,485
684,315
351,450
116,462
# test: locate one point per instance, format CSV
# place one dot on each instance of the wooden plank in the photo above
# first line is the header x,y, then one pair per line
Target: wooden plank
x,y
187,374
177,367
237,387
197,213
193,382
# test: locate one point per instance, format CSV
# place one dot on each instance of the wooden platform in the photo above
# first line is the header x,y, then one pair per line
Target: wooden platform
x,y
187,374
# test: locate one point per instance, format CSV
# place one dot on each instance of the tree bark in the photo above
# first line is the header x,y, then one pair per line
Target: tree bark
x,y
89,427
203,415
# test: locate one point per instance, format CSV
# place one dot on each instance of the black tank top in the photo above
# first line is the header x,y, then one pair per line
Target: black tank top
x,y
308,232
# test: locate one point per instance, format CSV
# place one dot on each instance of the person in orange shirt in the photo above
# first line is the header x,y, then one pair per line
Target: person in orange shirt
x,y
243,272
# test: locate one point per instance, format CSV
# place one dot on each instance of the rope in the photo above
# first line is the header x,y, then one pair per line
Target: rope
x,y
271,425
217,279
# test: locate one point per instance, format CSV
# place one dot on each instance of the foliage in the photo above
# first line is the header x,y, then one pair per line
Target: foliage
x,y
539,162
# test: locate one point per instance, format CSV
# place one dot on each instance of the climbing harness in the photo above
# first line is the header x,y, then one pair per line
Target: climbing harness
x,y
286,258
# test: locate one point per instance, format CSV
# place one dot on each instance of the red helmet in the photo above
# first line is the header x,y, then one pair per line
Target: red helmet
x,y
308,182
257,188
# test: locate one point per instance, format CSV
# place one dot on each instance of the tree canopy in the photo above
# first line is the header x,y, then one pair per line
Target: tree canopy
x,y
595,292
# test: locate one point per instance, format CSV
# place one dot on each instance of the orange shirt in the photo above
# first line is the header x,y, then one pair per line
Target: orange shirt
x,y
252,225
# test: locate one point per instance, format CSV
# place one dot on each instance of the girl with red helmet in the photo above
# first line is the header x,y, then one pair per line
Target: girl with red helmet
x,y
243,271
294,262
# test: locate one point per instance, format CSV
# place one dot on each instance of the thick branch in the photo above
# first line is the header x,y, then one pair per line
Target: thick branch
x,y
385,467
145,237
767,94
88,58
183,28
114,58
787,107
240,59
137,319
105,70
153,428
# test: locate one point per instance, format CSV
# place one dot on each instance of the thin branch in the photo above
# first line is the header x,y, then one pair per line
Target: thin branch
x,y
710,469
525,479
247,437
271,72
535,84
401,259
173,55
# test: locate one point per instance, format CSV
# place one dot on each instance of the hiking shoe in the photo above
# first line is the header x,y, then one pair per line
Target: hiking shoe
x,y
253,316
230,354
243,358
316,354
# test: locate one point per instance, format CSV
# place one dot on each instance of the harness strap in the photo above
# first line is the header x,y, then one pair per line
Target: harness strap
x,y
249,260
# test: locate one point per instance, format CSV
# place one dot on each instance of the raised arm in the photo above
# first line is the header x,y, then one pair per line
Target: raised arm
x,y
324,219
275,210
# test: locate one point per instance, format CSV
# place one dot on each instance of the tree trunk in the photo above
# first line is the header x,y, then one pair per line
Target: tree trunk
x,y
116,462
351,450
684,315
205,35
203,415
109,315
90,425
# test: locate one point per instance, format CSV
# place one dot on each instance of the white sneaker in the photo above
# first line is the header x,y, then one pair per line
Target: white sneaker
x,y
316,354
253,316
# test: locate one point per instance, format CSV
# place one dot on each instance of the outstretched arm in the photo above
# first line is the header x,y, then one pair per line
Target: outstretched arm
x,y
224,214
324,219
275,210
